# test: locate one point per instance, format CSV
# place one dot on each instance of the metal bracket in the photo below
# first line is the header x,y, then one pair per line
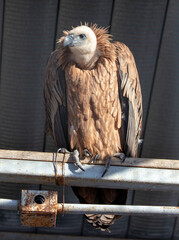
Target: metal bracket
x,y
38,208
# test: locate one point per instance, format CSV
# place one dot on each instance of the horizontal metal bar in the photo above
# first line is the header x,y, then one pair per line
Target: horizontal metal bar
x,y
67,208
122,177
8,204
43,172
118,209
50,157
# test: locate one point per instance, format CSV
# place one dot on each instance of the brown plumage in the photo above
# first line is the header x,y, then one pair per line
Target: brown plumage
x,y
93,101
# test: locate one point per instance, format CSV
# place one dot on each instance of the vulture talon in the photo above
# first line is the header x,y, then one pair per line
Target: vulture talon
x,y
75,155
62,150
107,165
120,156
86,153
97,156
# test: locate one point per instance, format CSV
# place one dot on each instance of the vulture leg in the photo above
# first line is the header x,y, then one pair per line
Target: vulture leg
x,y
120,156
107,165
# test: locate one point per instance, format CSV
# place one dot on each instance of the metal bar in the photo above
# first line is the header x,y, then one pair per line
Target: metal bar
x,y
118,209
69,208
50,157
8,204
43,172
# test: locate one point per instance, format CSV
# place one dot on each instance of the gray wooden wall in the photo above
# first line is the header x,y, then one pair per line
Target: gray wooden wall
x,y
28,33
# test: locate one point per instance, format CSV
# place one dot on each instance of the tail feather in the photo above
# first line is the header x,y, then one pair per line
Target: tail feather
x,y
101,196
101,221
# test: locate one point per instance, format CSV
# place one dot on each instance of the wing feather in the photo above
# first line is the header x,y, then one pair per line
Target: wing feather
x,y
130,97
55,101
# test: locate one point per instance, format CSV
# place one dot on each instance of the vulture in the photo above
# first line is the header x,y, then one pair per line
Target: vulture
x,y
93,106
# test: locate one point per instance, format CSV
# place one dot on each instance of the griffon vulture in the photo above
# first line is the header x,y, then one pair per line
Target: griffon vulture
x,y
93,105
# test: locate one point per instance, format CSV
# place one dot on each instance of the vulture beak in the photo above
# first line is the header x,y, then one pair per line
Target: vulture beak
x,y
68,40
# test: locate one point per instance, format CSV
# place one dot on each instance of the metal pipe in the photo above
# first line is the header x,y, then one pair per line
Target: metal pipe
x,y
8,204
68,208
118,209
43,172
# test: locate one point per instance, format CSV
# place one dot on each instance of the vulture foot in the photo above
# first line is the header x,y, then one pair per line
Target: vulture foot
x,y
108,161
120,156
107,165
75,155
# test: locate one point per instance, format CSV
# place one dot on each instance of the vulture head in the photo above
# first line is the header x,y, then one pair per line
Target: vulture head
x,y
82,43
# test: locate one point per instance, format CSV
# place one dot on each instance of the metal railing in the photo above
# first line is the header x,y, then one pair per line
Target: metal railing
x,y
69,208
49,168
52,168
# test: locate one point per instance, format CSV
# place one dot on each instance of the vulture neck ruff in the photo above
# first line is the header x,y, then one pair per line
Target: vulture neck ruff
x,y
104,51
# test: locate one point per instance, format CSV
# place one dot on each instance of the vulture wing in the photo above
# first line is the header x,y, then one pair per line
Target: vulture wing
x,y
55,101
131,100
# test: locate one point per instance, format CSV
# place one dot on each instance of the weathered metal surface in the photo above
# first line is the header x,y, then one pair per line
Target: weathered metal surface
x,y
38,213
51,157
121,177
119,209
29,209
21,171
8,204
43,172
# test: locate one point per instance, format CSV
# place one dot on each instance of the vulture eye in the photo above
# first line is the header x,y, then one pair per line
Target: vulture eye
x,y
82,36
